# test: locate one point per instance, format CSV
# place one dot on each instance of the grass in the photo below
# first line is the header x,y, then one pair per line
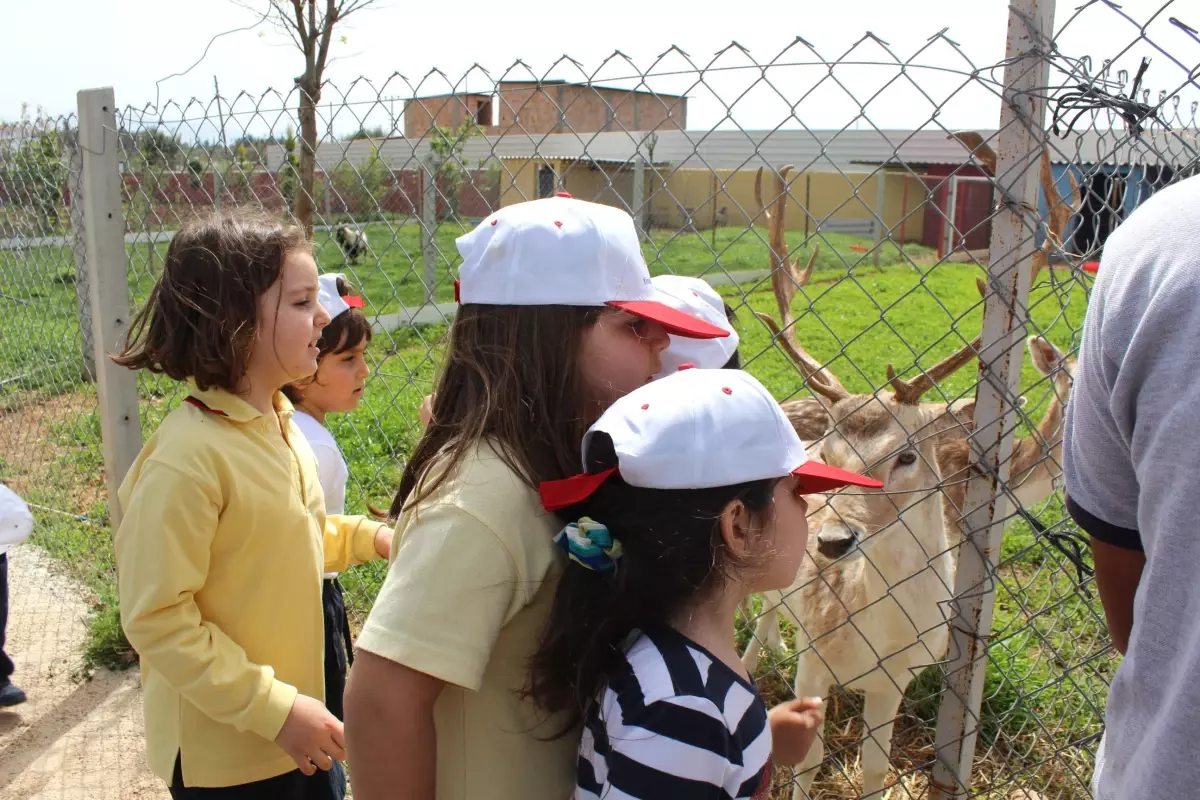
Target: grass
x,y
40,340
1047,677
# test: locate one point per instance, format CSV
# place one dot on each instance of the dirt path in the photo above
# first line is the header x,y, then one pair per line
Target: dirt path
x,y
73,740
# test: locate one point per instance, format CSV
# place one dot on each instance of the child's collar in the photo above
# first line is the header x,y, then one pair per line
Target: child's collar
x,y
227,404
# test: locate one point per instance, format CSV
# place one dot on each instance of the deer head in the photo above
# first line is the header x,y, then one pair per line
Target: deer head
x,y
892,436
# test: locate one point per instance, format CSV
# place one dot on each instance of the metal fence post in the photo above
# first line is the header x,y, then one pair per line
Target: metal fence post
x,y
429,226
104,225
83,294
1019,147
639,195
878,226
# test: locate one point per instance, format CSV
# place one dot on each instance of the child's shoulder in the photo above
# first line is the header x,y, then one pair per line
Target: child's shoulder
x,y
484,485
189,438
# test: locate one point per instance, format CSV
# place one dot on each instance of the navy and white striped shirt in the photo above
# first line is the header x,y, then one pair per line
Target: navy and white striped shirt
x,y
674,721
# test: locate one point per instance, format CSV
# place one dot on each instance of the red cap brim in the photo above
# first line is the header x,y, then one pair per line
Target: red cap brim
x,y
675,321
569,491
816,477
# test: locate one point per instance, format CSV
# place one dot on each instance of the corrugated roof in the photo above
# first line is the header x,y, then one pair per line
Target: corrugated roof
x,y
815,151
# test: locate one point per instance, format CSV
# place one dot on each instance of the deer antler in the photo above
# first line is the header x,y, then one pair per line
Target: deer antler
x,y
982,150
1060,213
786,279
909,392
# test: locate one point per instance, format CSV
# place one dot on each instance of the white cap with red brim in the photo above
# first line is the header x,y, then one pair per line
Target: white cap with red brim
x,y
560,251
699,429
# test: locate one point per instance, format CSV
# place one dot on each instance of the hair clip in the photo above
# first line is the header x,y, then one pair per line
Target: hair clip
x,y
589,544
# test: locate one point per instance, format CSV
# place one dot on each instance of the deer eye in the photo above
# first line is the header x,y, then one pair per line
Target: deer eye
x,y
906,458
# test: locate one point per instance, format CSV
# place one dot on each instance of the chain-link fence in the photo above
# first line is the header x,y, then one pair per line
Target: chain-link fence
x,y
844,252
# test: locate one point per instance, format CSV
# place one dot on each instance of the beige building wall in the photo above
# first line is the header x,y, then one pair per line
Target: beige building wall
x,y
704,193
726,197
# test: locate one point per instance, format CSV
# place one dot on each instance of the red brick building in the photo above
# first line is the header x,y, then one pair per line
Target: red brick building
x,y
542,107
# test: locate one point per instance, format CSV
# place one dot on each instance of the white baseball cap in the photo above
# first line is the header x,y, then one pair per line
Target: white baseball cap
x,y
699,429
695,297
16,521
329,298
559,251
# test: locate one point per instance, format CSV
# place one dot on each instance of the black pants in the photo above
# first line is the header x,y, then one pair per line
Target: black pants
x,y
338,650
294,785
6,664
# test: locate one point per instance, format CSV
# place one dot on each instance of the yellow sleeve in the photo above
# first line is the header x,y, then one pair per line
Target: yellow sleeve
x,y
448,592
162,553
349,541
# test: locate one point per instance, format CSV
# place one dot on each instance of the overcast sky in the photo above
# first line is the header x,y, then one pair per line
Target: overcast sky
x,y
53,48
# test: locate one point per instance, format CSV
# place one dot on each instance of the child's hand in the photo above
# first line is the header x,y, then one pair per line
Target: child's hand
x,y
383,541
312,736
794,726
427,409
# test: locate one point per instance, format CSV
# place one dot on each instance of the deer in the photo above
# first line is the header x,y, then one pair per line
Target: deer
x,y
872,592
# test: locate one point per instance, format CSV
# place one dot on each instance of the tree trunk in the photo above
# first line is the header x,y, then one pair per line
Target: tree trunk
x,y
308,157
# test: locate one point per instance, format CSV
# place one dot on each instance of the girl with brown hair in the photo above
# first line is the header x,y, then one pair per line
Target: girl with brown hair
x,y
558,319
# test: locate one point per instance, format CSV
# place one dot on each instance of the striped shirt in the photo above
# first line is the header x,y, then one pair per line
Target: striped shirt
x,y
674,721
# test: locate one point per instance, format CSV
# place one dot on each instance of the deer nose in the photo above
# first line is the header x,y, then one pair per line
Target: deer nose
x,y
836,539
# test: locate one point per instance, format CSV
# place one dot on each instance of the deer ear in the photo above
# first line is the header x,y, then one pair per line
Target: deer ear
x,y
1046,357
808,417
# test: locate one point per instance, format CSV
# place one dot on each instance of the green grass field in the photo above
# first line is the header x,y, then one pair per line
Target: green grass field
x,y
1046,677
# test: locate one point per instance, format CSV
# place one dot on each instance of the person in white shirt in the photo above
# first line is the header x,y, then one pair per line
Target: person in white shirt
x,y
337,387
16,523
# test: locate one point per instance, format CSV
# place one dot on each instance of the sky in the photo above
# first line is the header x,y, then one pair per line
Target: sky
x,y
136,46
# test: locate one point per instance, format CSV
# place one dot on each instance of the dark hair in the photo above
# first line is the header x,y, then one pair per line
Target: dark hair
x,y
202,314
511,374
344,332
673,553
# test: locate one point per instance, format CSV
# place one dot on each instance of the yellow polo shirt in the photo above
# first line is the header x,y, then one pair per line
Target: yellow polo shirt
x,y
219,562
472,577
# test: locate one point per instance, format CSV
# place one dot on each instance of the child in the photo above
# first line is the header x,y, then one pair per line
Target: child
x,y
558,319
691,296
692,500
337,386
696,297
16,523
225,536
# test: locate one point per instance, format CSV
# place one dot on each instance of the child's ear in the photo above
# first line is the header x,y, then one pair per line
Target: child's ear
x,y
737,529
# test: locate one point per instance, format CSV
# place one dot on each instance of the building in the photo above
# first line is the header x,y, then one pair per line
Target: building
x,y
909,186
547,107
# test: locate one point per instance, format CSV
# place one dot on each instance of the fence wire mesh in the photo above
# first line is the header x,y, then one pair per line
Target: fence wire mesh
x,y
862,246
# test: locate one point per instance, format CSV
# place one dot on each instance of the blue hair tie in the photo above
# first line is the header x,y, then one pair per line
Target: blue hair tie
x,y
589,544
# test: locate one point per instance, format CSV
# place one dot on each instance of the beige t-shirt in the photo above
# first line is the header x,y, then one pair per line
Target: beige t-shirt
x,y
468,591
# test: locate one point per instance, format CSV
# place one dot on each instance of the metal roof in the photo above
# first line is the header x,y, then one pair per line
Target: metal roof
x,y
814,151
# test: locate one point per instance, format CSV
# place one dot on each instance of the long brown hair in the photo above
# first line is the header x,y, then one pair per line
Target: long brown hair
x,y
202,315
511,374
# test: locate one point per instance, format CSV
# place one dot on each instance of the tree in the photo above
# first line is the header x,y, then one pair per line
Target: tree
x,y
34,167
361,187
310,24
289,171
158,148
447,147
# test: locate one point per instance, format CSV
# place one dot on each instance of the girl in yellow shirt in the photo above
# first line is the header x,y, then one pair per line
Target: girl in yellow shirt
x,y
225,538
